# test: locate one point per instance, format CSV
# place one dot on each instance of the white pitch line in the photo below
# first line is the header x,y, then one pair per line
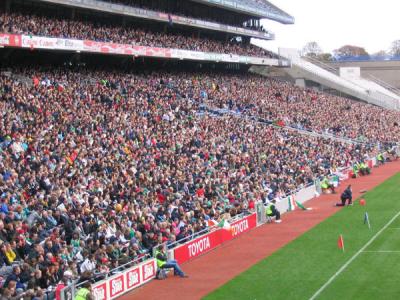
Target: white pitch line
x,y
382,251
316,294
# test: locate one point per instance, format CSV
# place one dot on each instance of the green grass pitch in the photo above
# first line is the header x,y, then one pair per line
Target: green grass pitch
x,y
302,267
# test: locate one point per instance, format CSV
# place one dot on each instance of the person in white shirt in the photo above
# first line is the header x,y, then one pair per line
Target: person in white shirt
x,y
89,264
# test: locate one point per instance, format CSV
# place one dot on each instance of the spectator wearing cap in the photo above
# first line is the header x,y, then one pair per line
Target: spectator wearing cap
x,y
183,234
65,281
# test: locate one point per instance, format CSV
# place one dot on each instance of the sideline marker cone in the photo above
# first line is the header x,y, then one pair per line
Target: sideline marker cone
x,y
340,242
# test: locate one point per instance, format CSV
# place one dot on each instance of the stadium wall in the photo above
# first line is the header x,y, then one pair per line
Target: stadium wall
x,y
387,71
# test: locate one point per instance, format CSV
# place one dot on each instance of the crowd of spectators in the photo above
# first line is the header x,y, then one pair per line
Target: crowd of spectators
x,y
30,24
208,14
306,109
98,167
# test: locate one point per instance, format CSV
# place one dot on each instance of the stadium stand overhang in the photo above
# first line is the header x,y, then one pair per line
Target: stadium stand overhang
x,y
72,45
272,12
125,10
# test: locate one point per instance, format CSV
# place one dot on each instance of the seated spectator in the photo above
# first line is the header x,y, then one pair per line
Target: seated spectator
x,y
137,159
15,277
327,185
164,263
89,264
271,211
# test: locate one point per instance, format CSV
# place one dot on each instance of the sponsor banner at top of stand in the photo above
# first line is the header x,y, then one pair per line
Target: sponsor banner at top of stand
x,y
188,54
40,42
233,58
10,40
124,49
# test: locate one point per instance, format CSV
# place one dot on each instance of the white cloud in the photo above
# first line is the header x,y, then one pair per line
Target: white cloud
x,y
373,25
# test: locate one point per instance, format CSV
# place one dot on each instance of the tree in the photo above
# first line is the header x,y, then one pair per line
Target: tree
x,y
349,50
312,49
380,53
395,48
325,57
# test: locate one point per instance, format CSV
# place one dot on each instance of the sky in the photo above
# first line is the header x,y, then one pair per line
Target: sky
x,y
370,24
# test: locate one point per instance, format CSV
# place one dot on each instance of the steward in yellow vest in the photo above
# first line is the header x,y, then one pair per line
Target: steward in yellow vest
x,y
271,211
84,293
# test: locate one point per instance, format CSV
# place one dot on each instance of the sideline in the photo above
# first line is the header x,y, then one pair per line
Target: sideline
x,y
382,251
317,293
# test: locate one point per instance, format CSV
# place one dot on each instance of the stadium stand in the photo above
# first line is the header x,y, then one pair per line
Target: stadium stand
x,y
102,157
65,28
136,155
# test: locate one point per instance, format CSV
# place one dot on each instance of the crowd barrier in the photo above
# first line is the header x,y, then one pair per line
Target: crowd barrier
x,y
118,284
213,239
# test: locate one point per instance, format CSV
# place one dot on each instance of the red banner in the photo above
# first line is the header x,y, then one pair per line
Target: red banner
x,y
10,40
119,284
116,285
148,271
208,242
239,227
197,246
100,291
125,49
133,278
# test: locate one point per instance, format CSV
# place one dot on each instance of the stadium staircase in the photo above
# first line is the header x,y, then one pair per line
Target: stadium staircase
x,y
360,88
376,82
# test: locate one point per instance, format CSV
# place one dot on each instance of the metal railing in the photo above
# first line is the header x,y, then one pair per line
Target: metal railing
x,y
197,234
322,64
329,79
69,292
385,84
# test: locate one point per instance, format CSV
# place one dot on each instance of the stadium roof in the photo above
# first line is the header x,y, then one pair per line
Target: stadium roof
x,y
258,8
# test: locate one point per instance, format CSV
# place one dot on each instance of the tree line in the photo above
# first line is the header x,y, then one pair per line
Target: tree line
x,y
313,50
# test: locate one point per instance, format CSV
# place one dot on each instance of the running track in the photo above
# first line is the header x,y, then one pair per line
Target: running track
x,y
217,267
